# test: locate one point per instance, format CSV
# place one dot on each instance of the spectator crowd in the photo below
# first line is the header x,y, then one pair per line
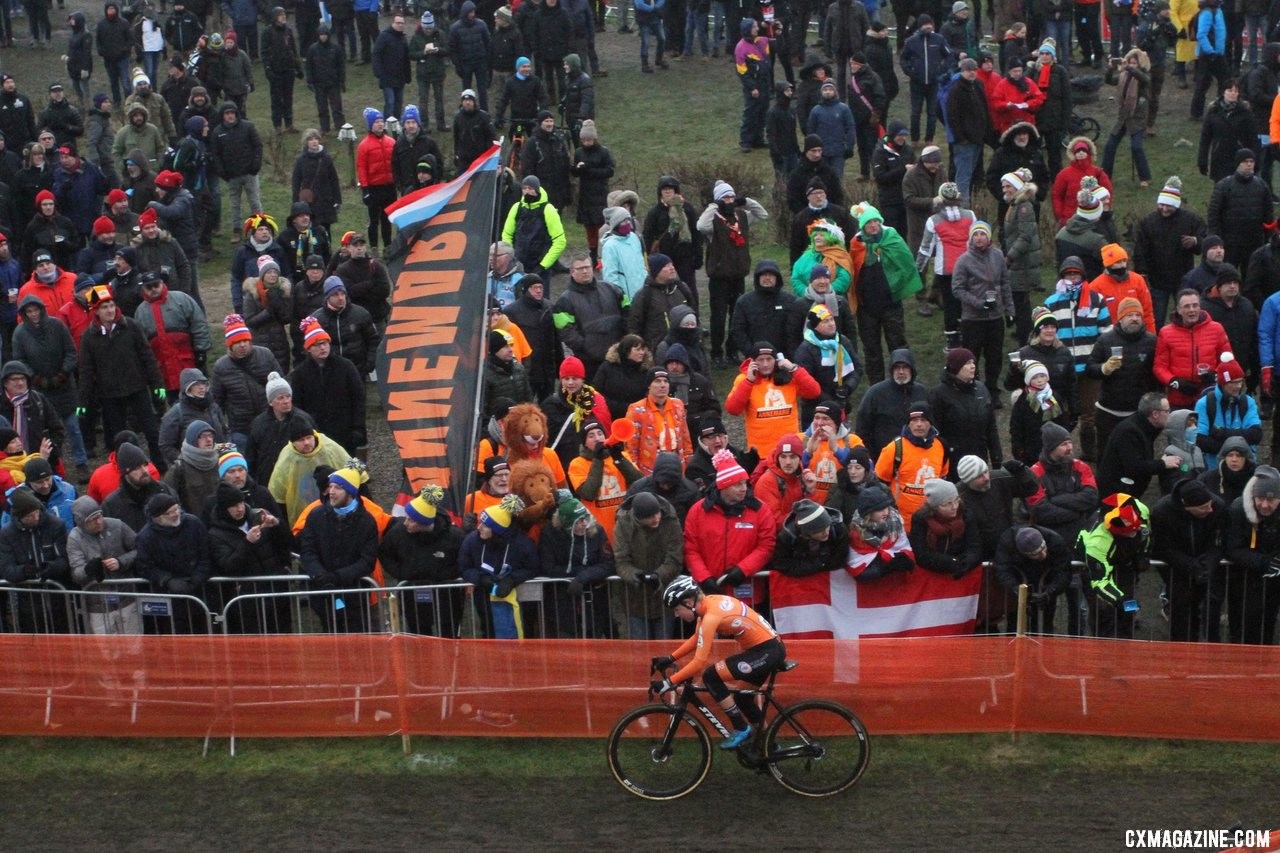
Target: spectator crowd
x,y
1133,393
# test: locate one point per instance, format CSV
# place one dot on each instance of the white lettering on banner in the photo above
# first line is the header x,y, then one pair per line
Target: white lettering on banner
x,y
1190,839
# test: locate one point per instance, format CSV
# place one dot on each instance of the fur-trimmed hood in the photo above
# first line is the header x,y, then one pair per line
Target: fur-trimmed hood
x,y
1075,140
1006,138
1262,472
612,356
1144,61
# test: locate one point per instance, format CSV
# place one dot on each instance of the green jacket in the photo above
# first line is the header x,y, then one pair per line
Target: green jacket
x,y
898,259
1111,582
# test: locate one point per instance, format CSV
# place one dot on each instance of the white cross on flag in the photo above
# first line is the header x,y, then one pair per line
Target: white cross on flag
x,y
833,605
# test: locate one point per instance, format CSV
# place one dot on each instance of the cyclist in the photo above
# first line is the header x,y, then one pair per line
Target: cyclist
x,y
724,616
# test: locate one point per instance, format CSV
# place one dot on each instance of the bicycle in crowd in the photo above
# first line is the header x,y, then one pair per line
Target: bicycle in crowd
x,y
662,751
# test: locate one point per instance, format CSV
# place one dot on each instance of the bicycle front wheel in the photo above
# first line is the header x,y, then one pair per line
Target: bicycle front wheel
x,y
658,752
817,748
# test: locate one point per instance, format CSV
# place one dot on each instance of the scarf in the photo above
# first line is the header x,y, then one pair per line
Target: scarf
x,y
828,299
733,230
1043,401
678,224
348,509
583,403
201,460
680,387
838,256
833,354
875,535
47,277
941,532
306,240
259,247
925,442
19,404
1045,71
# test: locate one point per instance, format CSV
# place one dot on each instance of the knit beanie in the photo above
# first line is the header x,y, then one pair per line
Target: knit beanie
x,y
1032,370
422,508
811,518
573,368
23,501
1028,541
37,469
1088,206
958,358
970,468
1128,306
228,496
235,330
645,505
722,190
103,225
938,491
1052,435
277,385
160,503
313,333
874,498
1171,192
1042,316
728,471
266,263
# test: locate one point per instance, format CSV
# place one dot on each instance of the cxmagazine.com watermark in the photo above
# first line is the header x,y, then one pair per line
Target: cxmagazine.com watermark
x,y
1193,839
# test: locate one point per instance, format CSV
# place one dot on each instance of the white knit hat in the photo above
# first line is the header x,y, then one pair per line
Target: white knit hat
x,y
721,190
1171,193
277,385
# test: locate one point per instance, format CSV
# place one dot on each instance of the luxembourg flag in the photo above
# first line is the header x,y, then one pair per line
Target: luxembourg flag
x,y
425,203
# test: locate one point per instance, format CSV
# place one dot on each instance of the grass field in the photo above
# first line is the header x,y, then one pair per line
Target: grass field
x,y
924,793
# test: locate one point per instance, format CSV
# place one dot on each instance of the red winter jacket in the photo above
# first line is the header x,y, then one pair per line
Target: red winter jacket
x,y
76,317
1066,186
54,296
1003,114
714,541
373,161
1180,350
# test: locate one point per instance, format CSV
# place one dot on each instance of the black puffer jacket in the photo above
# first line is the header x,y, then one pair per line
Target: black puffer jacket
x,y
267,437
1227,128
761,313
166,554
883,411
1121,391
1009,157
650,314
1238,209
116,364
963,416
551,32
1157,247
1013,568
355,336
534,318
469,40
590,320
233,555
408,153
114,35
235,150
593,167
622,383
35,553
239,386
368,285
333,394
427,557
48,350
338,550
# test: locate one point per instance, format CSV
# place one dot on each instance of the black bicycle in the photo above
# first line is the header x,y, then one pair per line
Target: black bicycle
x,y
814,747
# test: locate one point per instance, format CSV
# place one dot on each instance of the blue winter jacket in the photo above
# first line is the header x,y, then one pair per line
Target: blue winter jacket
x,y
1240,418
924,57
1211,33
833,121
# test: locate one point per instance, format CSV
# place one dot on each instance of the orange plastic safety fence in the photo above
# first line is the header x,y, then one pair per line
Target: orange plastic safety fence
x,y
318,685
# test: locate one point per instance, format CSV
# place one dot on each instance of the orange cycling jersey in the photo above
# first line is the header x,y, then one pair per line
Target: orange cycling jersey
x,y
721,616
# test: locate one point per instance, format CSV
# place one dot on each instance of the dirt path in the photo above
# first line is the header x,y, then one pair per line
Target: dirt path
x,y
995,802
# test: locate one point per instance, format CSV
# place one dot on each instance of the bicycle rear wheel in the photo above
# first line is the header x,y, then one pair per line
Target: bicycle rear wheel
x,y
658,752
817,748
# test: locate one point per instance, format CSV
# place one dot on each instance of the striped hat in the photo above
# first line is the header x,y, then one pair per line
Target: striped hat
x,y
422,509
1034,369
1014,180
971,468
1042,316
235,330
811,518
350,477
1088,206
1171,192
231,458
979,227
728,471
312,332
498,518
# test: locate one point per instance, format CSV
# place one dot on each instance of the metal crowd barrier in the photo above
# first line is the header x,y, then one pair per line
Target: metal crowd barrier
x,y
615,609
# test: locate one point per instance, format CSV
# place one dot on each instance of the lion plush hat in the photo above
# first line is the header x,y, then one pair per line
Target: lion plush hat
x,y
524,422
